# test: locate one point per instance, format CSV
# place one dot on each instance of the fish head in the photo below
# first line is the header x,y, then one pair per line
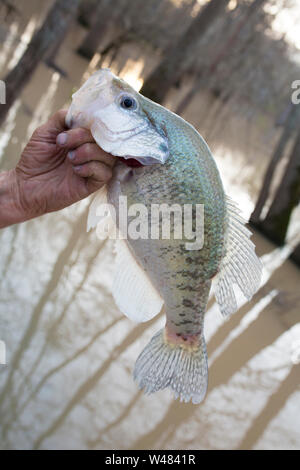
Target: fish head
x,y
119,118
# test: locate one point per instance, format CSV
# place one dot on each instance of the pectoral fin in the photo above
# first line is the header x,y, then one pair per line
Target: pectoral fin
x,y
99,198
132,289
133,292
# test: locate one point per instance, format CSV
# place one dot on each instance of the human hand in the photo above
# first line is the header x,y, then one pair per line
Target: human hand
x,y
59,167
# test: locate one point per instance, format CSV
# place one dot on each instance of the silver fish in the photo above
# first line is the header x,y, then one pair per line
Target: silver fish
x,y
176,167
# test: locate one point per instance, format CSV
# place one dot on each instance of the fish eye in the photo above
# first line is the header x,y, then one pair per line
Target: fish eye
x,y
127,102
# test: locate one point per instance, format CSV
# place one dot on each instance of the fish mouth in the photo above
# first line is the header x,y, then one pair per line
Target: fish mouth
x,y
131,162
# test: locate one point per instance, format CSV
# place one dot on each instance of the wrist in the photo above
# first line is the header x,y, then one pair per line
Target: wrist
x,y
11,211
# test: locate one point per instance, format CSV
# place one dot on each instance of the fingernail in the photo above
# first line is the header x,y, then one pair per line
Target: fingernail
x,y
62,139
71,155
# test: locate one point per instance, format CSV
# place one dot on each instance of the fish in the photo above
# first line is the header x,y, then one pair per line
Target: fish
x,y
164,160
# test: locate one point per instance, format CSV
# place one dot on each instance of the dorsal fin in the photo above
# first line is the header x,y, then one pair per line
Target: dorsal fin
x,y
240,264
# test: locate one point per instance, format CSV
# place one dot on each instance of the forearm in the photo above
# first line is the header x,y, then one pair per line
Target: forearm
x,y
11,211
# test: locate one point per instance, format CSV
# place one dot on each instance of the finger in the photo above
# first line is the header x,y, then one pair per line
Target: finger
x,y
74,138
98,171
88,152
59,119
55,125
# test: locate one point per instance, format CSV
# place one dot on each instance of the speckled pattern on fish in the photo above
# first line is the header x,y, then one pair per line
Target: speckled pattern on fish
x,y
177,168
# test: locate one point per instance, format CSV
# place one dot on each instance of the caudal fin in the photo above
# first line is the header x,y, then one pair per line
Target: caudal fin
x,y
181,367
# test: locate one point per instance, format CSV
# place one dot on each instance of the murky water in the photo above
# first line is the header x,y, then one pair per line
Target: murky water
x,y
70,352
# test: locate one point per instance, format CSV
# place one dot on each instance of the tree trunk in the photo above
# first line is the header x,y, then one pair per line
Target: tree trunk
x,y
51,56
287,197
277,156
99,26
189,96
48,36
295,256
172,65
105,14
223,53
9,9
86,12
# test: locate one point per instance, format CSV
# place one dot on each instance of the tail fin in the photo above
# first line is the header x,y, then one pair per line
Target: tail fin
x,y
181,367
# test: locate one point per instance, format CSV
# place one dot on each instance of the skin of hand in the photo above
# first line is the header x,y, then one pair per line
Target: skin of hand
x,y
58,167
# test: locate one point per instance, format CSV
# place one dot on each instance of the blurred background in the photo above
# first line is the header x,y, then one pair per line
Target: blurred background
x,y
230,68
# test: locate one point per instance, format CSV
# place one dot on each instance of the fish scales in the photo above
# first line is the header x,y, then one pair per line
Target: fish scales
x,y
176,182
173,166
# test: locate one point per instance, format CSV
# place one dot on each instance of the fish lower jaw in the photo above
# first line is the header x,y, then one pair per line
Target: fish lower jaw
x,y
140,161
130,161
177,340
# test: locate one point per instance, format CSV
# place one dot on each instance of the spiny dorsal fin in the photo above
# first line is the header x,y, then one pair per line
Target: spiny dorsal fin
x,y
240,264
